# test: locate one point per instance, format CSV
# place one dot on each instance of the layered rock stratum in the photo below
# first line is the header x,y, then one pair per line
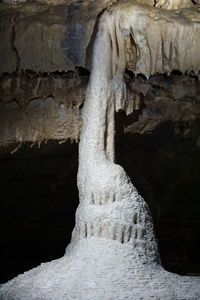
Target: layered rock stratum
x,y
113,250
46,58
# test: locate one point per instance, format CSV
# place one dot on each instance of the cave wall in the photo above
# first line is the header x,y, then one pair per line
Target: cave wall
x,y
44,69
46,54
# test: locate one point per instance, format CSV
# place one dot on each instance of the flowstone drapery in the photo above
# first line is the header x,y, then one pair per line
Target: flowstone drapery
x,y
113,253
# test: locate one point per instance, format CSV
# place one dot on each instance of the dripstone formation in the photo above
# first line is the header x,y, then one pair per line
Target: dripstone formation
x,y
113,253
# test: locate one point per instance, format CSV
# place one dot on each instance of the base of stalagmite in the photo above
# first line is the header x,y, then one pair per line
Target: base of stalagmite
x,y
97,269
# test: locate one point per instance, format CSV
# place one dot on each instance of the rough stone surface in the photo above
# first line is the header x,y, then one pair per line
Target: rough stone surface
x,y
54,34
25,33
113,249
163,99
150,104
171,4
57,34
35,108
95,258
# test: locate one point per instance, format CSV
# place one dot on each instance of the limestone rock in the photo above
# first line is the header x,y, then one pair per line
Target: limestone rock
x,y
163,99
152,102
36,107
113,250
8,62
58,35
54,34
171,4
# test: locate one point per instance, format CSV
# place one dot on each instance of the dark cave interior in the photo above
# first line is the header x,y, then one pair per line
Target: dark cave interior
x,y
39,197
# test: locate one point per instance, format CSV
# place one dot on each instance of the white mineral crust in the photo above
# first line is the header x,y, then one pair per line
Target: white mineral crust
x,y
113,253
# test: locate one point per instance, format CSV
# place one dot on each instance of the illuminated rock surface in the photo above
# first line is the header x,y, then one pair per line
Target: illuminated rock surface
x,y
113,253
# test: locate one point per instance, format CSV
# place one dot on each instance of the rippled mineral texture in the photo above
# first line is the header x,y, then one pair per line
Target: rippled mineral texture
x,y
146,61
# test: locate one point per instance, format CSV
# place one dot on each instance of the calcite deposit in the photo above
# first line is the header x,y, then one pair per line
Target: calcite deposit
x,y
113,253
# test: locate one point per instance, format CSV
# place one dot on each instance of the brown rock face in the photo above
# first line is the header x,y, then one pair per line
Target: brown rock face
x,y
163,99
45,53
40,107
41,89
46,36
43,42
36,107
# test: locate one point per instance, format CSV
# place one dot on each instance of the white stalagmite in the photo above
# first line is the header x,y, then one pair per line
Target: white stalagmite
x,y
113,253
